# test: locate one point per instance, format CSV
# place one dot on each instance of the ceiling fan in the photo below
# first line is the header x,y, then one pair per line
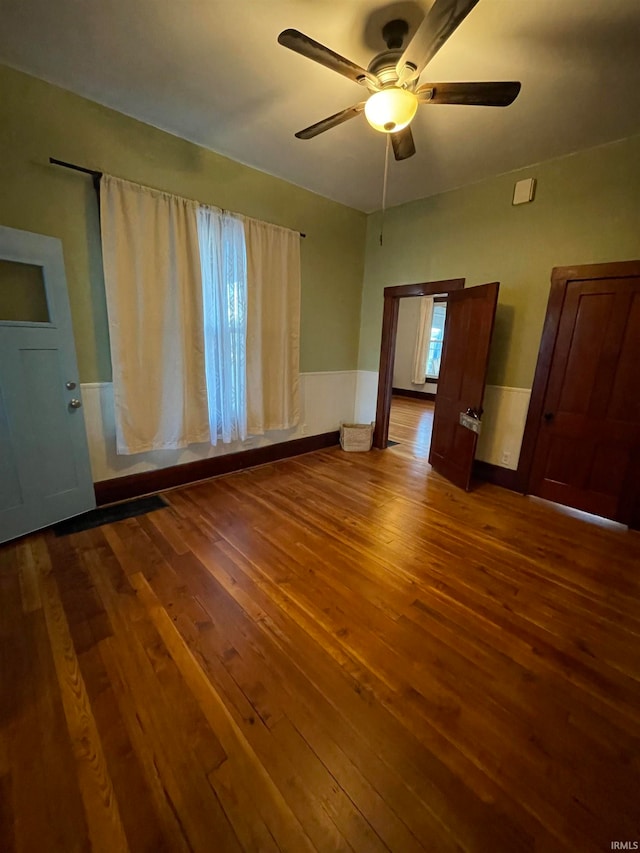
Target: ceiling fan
x,y
392,76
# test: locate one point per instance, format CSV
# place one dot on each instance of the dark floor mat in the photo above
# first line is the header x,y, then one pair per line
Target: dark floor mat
x,y
392,443
108,514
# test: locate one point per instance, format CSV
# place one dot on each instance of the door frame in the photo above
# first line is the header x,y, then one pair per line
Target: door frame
x,y
392,297
560,278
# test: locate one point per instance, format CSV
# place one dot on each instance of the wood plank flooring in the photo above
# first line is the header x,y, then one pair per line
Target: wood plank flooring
x,y
338,652
411,424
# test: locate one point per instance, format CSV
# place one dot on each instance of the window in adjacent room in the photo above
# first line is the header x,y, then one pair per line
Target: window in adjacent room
x,y
434,353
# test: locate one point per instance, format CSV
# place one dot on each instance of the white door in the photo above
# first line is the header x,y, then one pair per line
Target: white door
x,y
45,475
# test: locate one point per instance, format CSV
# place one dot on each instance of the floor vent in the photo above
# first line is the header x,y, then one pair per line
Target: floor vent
x,y
108,514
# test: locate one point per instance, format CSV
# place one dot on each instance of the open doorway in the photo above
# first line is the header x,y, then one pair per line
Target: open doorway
x,y
418,354
465,354
393,296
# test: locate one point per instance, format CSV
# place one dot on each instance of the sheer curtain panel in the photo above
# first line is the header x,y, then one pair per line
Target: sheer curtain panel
x,y
224,287
273,326
154,301
423,338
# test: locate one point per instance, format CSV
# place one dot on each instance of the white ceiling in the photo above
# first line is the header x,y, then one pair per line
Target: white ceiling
x,y
213,72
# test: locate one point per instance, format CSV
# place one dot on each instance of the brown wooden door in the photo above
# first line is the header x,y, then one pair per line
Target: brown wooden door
x,y
463,369
587,453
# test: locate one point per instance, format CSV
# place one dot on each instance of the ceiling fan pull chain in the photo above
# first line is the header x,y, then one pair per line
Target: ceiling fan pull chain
x,y
384,183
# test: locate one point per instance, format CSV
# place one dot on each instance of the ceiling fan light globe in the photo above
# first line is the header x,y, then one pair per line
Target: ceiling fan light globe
x,y
391,110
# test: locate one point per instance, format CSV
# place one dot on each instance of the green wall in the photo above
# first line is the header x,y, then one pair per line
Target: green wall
x,y
38,120
586,210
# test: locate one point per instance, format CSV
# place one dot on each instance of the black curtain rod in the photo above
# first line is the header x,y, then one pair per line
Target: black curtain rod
x,y
96,176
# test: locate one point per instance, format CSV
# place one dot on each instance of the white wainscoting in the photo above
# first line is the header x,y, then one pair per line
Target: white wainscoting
x,y
505,413
326,400
366,396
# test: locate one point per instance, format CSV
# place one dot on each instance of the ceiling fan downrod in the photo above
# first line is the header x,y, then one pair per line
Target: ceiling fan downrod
x,y
394,32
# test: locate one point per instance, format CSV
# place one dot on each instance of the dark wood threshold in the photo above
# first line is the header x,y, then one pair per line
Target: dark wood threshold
x,y
409,392
134,485
496,474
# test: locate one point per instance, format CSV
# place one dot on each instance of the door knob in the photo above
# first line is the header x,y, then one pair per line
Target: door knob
x,y
69,385
474,413
75,404
548,416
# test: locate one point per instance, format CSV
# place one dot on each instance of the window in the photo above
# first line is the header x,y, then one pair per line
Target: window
x,y
434,353
224,303
23,296
185,370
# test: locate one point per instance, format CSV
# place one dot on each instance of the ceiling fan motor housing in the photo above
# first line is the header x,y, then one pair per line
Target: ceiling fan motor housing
x,y
383,66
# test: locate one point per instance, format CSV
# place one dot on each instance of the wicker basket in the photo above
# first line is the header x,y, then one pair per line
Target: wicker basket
x,y
356,437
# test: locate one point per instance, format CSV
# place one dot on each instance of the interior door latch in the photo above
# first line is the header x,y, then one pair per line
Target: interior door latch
x,y
471,419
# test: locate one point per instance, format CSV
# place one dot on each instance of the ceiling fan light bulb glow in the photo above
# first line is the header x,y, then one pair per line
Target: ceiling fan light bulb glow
x,y
391,110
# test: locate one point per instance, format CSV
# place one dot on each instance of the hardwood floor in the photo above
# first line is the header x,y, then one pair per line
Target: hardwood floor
x,y
334,652
410,424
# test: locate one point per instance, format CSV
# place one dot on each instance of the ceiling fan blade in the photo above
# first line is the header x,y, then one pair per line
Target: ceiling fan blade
x,y
302,44
440,22
473,94
403,144
331,121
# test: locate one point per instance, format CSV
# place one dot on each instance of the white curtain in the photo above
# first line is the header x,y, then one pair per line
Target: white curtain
x,y
224,283
154,300
273,326
423,337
